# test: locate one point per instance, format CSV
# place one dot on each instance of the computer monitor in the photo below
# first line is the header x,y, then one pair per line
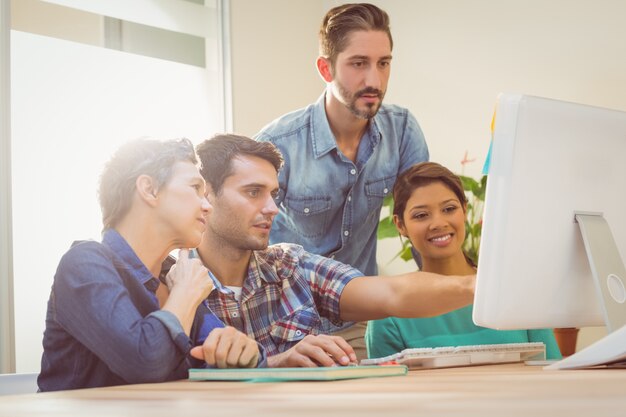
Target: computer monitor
x,y
551,159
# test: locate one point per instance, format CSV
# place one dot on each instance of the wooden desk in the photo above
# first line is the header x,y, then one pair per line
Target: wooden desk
x,y
498,390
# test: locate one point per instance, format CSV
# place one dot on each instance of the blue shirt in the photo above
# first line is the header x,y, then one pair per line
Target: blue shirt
x,y
104,326
328,204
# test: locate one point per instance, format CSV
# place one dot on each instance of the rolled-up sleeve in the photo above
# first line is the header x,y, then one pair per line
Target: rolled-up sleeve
x,y
172,324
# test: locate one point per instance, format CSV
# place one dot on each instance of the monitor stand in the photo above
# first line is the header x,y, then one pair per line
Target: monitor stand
x,y
607,267
609,275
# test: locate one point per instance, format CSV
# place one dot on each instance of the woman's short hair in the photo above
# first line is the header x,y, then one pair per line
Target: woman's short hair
x,y
150,157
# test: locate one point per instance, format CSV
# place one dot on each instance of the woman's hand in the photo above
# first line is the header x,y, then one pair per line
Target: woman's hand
x,y
190,275
189,284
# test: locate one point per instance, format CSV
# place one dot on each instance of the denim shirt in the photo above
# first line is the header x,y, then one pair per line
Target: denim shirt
x,y
328,204
104,325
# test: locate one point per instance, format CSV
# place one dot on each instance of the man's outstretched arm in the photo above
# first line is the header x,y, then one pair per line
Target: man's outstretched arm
x,y
416,294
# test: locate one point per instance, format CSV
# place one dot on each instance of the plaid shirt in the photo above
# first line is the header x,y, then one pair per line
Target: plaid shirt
x,y
288,293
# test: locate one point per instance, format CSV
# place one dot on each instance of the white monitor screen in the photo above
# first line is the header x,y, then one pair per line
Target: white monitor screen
x,y
549,159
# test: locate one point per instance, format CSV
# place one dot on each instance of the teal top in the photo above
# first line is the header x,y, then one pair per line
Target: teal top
x,y
388,336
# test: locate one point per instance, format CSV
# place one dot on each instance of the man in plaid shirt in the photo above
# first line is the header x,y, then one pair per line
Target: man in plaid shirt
x,y
282,295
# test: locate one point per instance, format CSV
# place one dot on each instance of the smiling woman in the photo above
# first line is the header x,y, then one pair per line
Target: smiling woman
x,y
430,208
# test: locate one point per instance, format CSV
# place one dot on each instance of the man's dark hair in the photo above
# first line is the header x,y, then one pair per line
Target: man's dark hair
x,y
342,20
216,155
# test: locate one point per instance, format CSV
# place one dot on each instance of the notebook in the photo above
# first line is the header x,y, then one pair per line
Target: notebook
x,y
332,373
449,356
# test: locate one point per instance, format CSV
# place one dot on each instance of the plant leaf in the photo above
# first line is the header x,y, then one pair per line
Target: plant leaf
x,y
469,184
386,229
388,202
406,254
480,191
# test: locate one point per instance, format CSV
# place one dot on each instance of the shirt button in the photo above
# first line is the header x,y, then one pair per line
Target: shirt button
x,y
353,171
235,314
346,233
306,210
386,190
298,332
349,198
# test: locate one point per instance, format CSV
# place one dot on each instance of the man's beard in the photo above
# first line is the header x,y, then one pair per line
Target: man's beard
x,y
228,235
350,101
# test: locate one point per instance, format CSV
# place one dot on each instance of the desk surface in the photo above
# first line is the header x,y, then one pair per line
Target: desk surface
x,y
498,390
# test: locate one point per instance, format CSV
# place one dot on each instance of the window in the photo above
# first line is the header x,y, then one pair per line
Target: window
x,y
85,76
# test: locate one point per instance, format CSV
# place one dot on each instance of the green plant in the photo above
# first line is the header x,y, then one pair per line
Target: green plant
x,y
475,193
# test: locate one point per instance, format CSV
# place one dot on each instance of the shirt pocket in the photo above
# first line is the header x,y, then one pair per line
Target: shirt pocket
x,y
376,191
307,216
291,329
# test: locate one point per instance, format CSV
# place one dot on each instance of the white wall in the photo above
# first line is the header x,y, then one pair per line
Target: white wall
x,y
451,59
274,47
454,57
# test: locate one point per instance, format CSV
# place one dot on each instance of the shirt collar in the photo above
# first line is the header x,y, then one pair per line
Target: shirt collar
x,y
322,136
260,269
253,278
127,255
193,253
374,132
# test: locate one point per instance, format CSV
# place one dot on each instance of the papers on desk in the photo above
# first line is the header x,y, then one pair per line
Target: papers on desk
x,y
295,374
608,351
